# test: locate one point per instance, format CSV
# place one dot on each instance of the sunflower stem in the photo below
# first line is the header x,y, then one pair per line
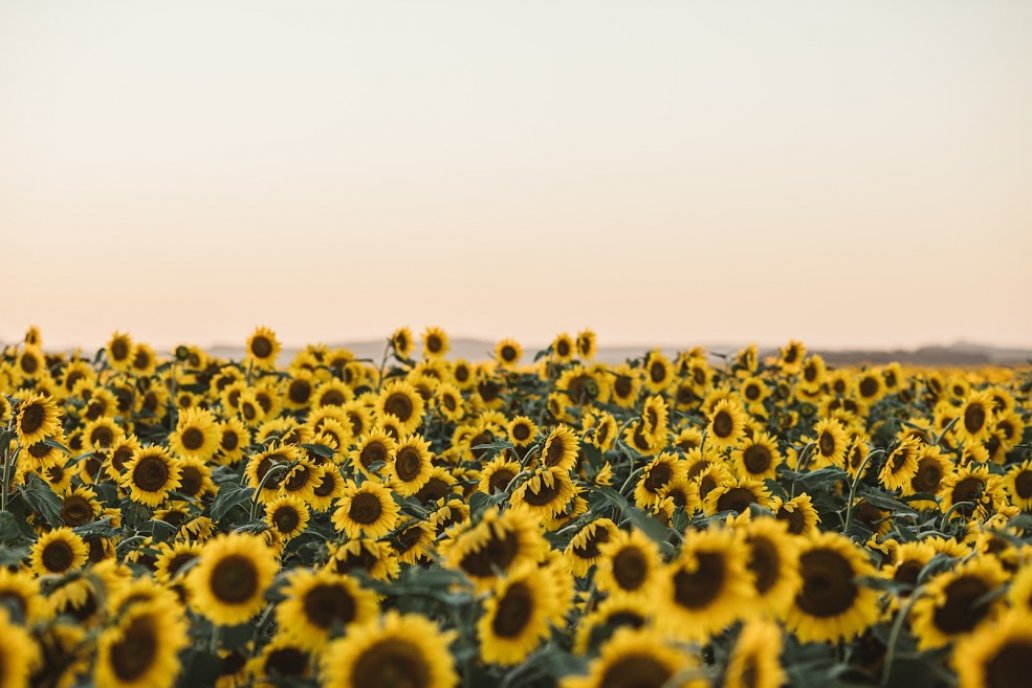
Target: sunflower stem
x,y
897,629
854,485
949,426
8,461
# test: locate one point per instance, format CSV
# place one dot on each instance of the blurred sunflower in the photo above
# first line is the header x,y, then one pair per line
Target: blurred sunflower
x,y
395,651
19,654
262,348
436,343
639,658
516,617
228,583
317,602
57,551
726,425
142,648
957,602
832,605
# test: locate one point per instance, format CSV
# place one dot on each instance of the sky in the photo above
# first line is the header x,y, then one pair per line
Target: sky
x,y
854,174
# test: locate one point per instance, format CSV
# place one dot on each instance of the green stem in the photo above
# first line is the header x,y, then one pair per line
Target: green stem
x,y
854,485
897,629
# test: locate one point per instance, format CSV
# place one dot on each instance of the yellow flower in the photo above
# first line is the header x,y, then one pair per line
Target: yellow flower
x,y
228,583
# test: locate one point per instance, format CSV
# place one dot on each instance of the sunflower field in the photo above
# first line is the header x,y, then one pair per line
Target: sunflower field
x,y
422,521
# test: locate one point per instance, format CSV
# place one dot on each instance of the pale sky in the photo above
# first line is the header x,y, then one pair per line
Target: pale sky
x,y
849,173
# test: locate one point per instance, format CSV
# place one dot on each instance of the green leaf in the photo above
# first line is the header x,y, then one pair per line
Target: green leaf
x,y
42,500
638,518
230,495
8,527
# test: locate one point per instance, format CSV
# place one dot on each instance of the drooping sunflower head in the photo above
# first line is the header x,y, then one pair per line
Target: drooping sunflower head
x,y
499,542
402,342
547,492
560,448
262,348
900,465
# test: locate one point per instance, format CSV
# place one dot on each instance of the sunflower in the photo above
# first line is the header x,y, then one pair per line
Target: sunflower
x,y
288,516
144,360
611,614
262,348
658,371
1019,485
522,431
398,650
656,476
120,351
735,495
630,565
901,465
756,660
79,506
499,542
709,585
909,560
508,353
282,662
402,343
374,557
758,457
151,475
587,344
957,602
99,435
373,451
169,564
57,551
20,596
410,466
726,425
790,358
773,562
547,492
413,541
367,509
496,475
19,654
401,400
976,418
142,648
563,348
870,386
583,550
830,444
316,602
970,490
435,343
831,604
38,418
933,466
229,581
626,385
517,615
997,656
638,658
450,402
560,449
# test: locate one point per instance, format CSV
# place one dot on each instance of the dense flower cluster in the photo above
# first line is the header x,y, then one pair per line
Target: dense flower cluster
x,y
423,521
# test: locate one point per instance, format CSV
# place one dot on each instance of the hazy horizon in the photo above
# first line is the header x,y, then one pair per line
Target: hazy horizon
x,y
854,175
